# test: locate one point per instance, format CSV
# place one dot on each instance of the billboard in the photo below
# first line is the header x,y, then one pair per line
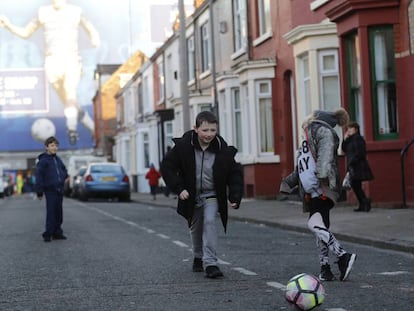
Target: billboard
x,y
49,50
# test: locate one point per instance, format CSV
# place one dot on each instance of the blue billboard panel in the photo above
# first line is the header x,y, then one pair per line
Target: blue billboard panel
x,y
23,91
27,117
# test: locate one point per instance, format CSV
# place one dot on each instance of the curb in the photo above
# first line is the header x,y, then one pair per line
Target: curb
x,y
340,236
389,245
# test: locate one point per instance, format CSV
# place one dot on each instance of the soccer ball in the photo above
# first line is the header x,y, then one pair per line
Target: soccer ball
x,y
42,129
305,291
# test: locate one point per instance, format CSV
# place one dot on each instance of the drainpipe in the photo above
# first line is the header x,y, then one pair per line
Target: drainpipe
x,y
183,68
214,105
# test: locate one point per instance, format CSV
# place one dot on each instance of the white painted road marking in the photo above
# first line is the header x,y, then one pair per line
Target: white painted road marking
x,y
163,236
394,273
244,271
276,285
180,244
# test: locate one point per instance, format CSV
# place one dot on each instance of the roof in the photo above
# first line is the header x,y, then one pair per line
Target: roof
x,y
112,85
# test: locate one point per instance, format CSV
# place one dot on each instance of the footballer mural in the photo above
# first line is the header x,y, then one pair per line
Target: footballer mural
x,y
49,50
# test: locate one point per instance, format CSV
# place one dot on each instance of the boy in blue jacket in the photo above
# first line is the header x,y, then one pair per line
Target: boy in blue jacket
x,y
50,179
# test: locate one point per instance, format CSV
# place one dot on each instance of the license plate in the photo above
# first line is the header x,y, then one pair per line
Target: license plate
x,y
108,178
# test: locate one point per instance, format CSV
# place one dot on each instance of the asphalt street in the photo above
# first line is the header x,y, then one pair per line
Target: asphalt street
x,y
137,256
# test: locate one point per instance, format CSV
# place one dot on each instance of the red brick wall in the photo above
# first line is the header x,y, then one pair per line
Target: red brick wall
x,y
261,180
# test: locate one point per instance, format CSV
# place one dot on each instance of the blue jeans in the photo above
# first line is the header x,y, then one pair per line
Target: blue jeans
x,y
203,230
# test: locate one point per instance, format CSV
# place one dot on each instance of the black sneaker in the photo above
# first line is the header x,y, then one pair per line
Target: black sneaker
x,y
59,237
326,273
198,265
213,272
367,204
47,238
345,263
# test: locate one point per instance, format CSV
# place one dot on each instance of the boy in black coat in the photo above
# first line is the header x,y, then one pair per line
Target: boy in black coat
x,y
202,171
50,179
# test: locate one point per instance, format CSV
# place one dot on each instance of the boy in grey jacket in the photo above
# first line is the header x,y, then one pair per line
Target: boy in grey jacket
x,y
202,171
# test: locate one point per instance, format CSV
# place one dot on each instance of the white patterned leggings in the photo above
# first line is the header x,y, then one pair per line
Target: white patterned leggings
x,y
318,223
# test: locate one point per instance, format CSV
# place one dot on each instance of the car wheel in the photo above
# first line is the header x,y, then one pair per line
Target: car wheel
x,y
125,198
83,197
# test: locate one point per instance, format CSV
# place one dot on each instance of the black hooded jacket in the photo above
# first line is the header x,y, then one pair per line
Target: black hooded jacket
x,y
50,173
178,169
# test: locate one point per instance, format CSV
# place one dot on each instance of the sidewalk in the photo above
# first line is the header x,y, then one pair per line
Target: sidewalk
x,y
384,228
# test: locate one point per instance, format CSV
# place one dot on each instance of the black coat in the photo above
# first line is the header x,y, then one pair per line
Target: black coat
x,y
178,171
357,164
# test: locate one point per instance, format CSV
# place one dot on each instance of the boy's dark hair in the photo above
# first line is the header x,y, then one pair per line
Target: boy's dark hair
x,y
205,116
50,140
354,125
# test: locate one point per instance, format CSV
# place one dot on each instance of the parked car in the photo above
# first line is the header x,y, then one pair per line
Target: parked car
x,y
105,180
75,162
77,179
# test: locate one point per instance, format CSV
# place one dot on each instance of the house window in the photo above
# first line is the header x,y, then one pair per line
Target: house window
x,y
264,101
168,135
383,82
224,116
161,81
128,108
140,107
237,119
191,58
146,149
169,75
329,80
239,12
247,109
264,16
126,155
204,107
306,87
178,123
145,94
354,69
205,48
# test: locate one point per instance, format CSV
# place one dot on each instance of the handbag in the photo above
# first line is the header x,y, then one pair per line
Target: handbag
x,y
346,183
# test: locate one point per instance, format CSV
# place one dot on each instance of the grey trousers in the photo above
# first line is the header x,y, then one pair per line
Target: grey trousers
x,y
203,231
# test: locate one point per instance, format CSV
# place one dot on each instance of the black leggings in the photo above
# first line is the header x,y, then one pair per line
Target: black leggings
x,y
322,206
356,185
154,190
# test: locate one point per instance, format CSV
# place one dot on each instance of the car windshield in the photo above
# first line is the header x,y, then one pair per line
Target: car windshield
x,y
106,169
